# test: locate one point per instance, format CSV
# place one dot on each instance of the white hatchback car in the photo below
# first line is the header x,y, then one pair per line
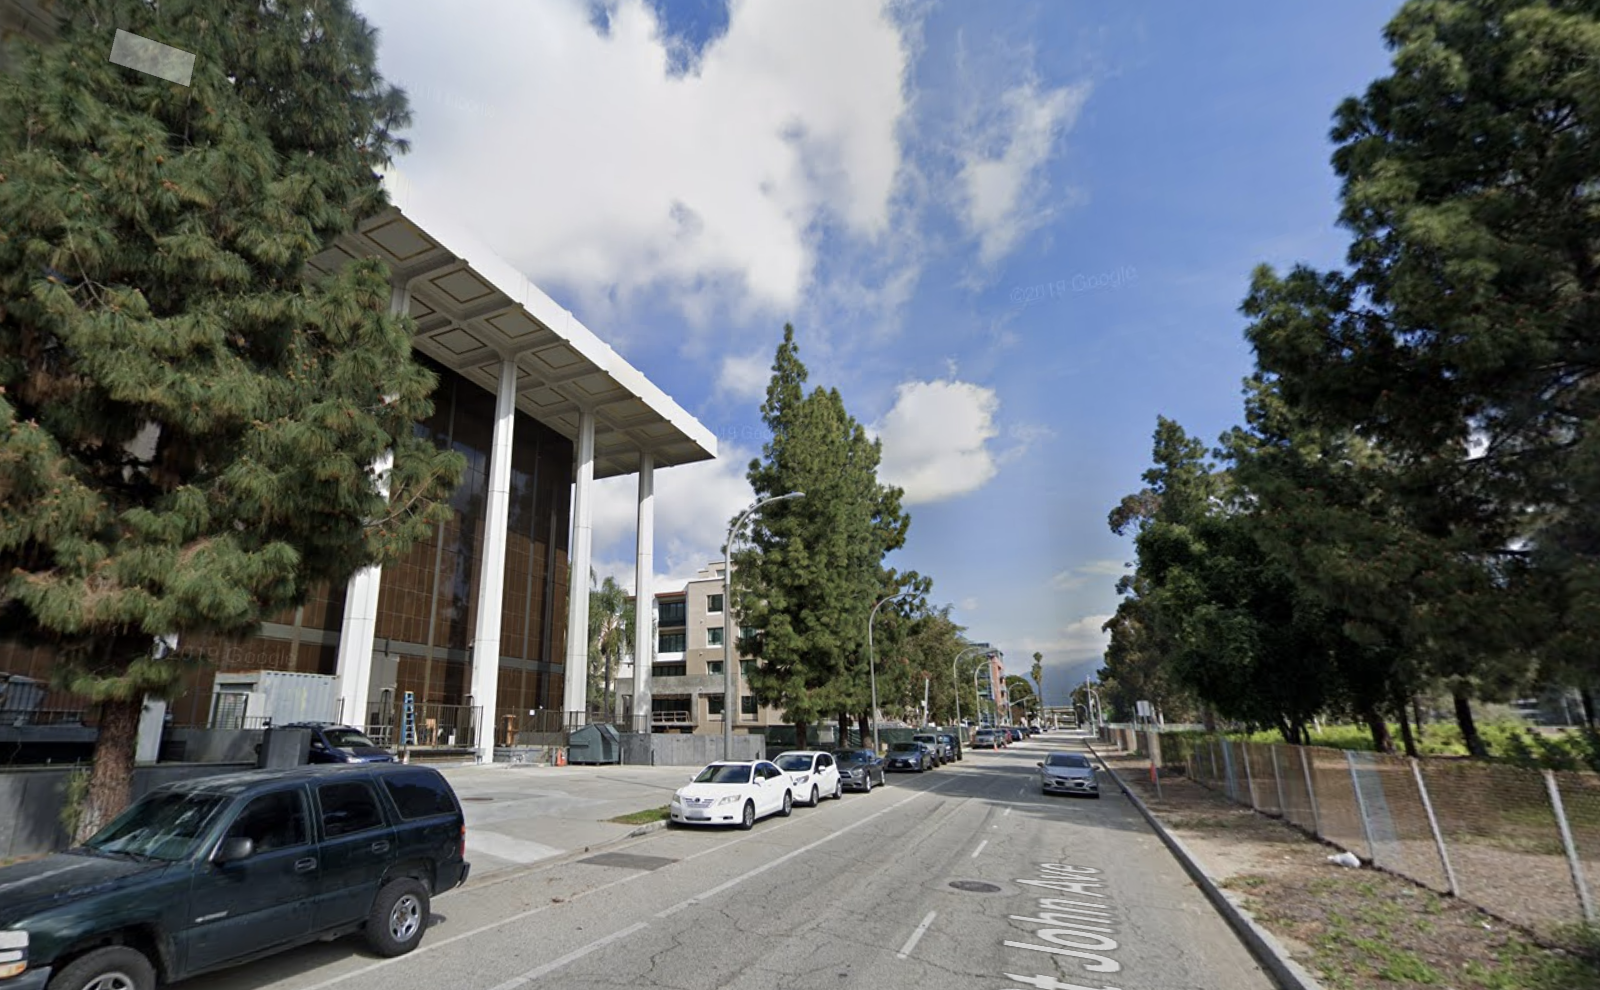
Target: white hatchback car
x,y
729,793
813,773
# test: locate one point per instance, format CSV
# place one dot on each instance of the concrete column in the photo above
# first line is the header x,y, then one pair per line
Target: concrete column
x,y
492,575
359,628
644,597
577,685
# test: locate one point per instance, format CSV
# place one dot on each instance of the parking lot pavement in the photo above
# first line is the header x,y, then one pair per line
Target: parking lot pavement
x,y
518,814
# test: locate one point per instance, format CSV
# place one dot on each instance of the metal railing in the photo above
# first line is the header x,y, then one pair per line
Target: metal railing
x,y
42,716
1521,844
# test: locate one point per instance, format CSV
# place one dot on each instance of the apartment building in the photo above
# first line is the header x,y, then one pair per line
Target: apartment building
x,y
686,673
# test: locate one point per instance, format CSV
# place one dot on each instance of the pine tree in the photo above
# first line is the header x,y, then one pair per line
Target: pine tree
x,y
809,572
189,419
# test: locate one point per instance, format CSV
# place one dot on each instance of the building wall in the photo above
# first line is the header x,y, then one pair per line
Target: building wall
x,y
702,689
427,605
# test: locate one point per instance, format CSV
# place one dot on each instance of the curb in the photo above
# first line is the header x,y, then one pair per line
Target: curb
x,y
1268,951
647,829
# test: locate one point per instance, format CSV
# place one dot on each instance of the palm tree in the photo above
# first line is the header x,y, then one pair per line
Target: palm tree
x,y
610,638
1038,681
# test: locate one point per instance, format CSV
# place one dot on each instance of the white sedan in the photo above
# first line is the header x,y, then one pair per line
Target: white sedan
x,y
813,773
730,793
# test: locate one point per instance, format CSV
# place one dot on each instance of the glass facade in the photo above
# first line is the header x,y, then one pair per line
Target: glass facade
x,y
427,603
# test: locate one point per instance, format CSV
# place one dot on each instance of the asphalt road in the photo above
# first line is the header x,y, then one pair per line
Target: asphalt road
x,y
1061,893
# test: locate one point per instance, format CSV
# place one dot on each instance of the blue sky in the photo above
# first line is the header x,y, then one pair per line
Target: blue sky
x,y
1011,234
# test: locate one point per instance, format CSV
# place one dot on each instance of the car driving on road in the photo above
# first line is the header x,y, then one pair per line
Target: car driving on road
x,y
731,793
209,873
1068,773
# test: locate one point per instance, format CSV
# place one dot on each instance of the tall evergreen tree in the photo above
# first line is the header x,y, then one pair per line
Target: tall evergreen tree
x,y
189,419
808,575
1466,317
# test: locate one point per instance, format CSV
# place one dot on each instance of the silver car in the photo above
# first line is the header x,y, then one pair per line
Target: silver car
x,y
1068,773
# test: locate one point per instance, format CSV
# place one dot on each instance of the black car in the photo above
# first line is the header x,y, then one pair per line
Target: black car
x,y
858,768
332,743
212,872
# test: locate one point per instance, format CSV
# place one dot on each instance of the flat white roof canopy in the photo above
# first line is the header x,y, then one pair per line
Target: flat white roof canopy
x,y
472,310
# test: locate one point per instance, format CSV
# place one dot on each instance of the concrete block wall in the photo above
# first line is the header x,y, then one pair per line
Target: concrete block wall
x,y
31,799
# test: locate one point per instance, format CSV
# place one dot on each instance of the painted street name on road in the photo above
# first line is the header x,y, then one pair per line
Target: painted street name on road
x,y
1077,929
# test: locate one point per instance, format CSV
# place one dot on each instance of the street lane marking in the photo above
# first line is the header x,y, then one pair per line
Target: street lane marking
x,y
573,956
1008,811
916,936
978,850
431,946
674,909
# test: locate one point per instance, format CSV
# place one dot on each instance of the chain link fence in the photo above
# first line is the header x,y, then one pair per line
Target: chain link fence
x,y
1523,845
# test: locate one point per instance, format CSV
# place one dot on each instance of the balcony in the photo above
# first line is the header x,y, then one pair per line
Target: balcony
x,y
672,718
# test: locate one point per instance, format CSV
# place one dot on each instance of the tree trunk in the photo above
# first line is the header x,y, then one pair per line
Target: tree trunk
x,y
800,737
1416,713
1382,742
1406,737
866,730
1587,696
1208,718
1469,727
844,730
111,777
607,702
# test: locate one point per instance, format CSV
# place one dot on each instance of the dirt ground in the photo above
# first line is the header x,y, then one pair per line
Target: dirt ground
x,y
1356,928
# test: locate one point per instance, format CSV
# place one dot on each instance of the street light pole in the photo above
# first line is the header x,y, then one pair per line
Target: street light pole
x,y
872,665
956,684
729,702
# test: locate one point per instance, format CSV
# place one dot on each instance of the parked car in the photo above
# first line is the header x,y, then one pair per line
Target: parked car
x,y
1068,773
333,743
858,768
812,773
953,740
728,792
910,756
207,873
1014,733
942,752
986,739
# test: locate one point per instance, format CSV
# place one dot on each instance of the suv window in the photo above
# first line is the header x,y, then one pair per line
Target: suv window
x,y
348,808
273,821
419,794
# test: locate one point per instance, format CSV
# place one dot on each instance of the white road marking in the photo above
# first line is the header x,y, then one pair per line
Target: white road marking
x,y
1008,811
431,946
916,936
519,851
575,955
978,850
764,867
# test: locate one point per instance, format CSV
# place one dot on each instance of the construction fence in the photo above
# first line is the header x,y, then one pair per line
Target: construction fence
x,y
1521,844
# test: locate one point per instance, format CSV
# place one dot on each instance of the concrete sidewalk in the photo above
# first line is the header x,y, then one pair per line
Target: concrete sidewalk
x,y
519,814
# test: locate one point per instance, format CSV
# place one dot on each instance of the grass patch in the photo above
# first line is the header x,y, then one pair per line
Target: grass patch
x,y
644,817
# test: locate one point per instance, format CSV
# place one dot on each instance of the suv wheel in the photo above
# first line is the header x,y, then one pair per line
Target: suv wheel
x,y
399,917
115,967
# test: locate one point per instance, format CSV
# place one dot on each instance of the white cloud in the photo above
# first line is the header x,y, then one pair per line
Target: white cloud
x,y
612,174
969,604
694,503
936,437
1010,127
745,376
1077,639
1076,577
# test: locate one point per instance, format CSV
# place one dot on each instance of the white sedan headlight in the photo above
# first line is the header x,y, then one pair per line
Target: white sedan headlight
x,y
727,799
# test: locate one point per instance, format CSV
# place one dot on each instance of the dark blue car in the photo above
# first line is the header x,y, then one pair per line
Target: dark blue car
x,y
332,743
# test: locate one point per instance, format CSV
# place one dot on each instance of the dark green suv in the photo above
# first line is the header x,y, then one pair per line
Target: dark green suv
x,y
208,873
